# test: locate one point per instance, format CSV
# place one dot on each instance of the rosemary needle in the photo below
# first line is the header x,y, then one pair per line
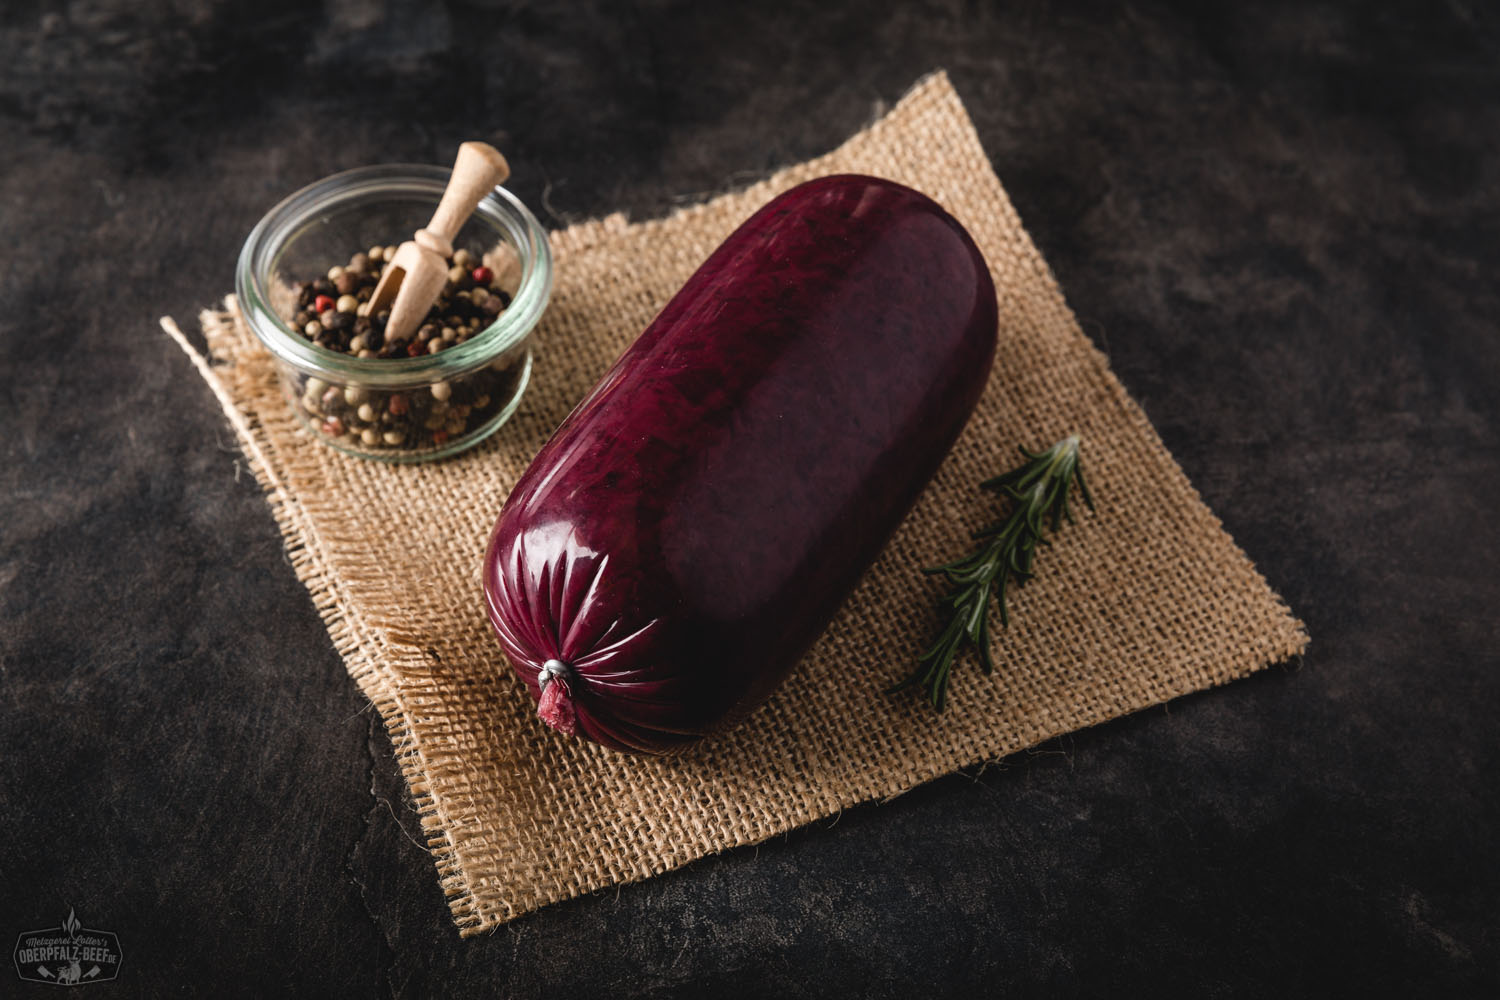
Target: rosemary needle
x,y
1039,491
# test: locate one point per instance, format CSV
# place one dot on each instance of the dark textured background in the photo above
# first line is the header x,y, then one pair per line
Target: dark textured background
x,y
1281,223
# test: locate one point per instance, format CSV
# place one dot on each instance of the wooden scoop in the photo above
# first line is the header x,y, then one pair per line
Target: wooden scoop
x,y
412,279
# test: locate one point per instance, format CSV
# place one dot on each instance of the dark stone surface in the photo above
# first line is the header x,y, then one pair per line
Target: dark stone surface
x,y
1280,222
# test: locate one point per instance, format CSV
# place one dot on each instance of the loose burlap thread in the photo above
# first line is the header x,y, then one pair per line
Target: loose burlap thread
x,y
1144,601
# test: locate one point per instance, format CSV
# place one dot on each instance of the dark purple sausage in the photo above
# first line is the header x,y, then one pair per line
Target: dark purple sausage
x,y
697,520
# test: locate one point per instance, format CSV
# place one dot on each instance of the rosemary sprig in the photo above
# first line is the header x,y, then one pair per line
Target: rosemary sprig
x,y
1039,491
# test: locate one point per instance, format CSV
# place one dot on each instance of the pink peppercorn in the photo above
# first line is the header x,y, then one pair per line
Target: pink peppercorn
x,y
397,404
323,303
483,275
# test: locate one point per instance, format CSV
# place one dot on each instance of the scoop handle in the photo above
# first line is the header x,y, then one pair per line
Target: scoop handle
x,y
477,169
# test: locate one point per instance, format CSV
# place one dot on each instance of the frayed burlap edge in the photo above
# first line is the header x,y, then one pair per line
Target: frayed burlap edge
x,y
351,637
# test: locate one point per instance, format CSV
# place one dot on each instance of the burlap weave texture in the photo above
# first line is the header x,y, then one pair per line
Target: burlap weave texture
x,y
1145,601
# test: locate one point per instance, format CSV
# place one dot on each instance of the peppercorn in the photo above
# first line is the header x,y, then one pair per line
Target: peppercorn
x,y
483,275
397,420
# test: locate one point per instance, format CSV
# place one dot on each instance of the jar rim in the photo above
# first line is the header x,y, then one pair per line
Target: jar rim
x,y
501,210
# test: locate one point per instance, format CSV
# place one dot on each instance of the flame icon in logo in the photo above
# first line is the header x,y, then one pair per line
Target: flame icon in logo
x,y
71,925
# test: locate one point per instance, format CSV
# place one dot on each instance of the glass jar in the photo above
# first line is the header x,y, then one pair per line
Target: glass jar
x,y
395,409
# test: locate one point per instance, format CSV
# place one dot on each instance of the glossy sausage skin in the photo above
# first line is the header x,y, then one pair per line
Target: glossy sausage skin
x,y
696,521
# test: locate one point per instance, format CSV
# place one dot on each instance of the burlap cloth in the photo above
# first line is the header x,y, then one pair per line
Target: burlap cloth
x,y
1146,600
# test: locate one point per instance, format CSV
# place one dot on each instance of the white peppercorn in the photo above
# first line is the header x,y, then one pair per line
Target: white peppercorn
x,y
441,391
